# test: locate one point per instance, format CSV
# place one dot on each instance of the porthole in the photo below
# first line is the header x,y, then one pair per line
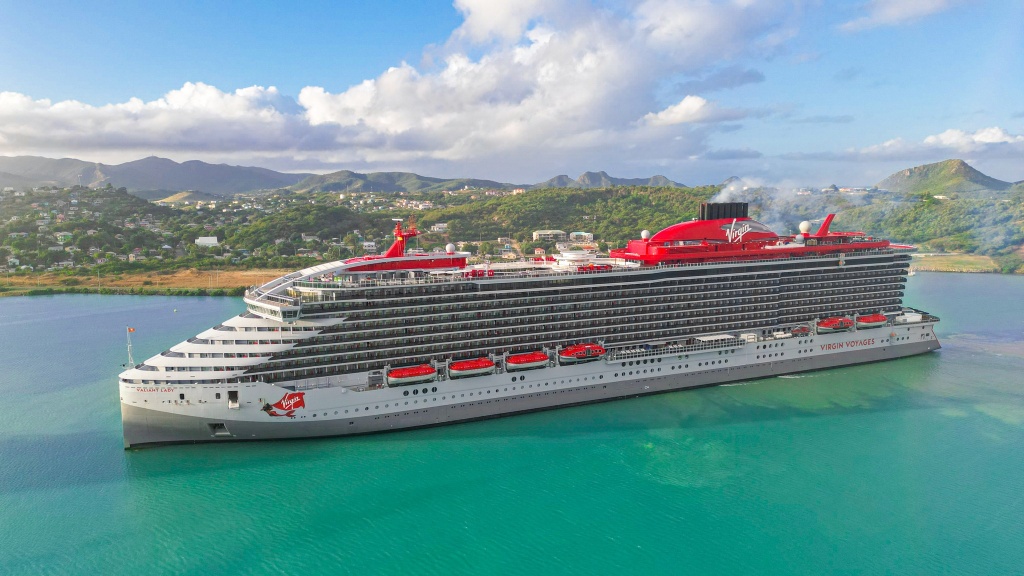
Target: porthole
x,y
415,392
424,390
513,378
521,378
434,389
405,393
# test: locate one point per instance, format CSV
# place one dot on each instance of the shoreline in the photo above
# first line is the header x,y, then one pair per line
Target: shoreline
x,y
188,282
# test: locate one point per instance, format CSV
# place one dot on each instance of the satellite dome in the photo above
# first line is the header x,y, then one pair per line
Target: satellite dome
x,y
450,248
646,234
805,227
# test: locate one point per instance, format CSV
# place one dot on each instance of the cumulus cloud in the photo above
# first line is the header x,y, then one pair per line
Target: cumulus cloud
x,y
196,116
519,90
896,12
486,20
969,142
690,110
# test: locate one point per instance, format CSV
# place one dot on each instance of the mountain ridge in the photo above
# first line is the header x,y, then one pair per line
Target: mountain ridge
x,y
150,173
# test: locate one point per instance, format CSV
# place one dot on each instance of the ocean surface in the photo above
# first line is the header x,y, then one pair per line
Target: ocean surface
x,y
913,466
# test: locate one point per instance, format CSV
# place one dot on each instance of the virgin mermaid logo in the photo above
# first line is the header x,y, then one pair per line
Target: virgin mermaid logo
x,y
287,405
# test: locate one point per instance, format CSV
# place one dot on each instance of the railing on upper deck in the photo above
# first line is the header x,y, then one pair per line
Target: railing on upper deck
x,y
621,265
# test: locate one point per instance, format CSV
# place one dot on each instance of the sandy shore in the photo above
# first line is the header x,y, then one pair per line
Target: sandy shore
x,y
953,263
156,281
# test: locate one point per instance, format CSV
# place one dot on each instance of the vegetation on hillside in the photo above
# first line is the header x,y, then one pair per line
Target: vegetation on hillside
x,y
107,231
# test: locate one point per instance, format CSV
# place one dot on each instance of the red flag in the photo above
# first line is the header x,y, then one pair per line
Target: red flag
x,y
130,329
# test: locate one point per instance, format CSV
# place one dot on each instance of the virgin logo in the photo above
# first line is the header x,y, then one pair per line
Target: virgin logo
x,y
287,405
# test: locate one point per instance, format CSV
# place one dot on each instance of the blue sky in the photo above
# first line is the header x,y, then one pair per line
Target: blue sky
x,y
776,92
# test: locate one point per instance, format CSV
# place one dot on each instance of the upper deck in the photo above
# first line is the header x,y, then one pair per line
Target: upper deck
x,y
703,242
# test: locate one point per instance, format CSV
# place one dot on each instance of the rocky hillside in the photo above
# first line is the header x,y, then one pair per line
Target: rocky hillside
x,y
953,178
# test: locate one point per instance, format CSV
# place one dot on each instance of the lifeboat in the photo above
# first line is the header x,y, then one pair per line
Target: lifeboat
x,y
580,353
470,367
871,320
412,374
800,331
526,361
834,325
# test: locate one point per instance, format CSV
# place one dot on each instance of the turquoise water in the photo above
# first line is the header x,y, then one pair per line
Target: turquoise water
x,y
913,466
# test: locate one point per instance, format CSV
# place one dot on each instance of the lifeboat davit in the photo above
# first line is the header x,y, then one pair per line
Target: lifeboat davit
x,y
871,320
412,374
580,353
526,361
834,325
470,367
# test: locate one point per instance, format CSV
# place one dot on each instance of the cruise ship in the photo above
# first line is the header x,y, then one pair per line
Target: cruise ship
x,y
409,339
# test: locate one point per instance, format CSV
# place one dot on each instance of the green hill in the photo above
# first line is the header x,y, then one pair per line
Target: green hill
x,y
611,214
175,197
349,181
603,180
953,178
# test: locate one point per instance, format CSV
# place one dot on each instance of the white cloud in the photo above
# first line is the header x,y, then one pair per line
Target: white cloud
x,y
690,110
488,20
896,12
558,84
962,141
994,146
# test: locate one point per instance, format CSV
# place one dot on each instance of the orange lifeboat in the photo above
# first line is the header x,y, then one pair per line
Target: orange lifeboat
x,y
526,361
412,374
580,353
871,320
470,367
834,324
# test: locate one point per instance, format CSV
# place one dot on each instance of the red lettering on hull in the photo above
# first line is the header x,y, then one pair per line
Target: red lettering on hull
x,y
848,344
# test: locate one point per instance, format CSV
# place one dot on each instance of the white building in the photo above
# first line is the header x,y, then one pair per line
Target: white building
x,y
207,241
548,235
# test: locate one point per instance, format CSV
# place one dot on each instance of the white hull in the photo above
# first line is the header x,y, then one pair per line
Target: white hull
x,y
157,415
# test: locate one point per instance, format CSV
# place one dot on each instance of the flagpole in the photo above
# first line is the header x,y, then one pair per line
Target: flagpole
x,y
128,332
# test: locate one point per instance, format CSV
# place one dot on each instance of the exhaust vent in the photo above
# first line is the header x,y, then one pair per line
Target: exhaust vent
x,y
718,210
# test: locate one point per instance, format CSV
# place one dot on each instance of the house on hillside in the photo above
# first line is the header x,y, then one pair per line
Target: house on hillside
x,y
548,235
207,241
